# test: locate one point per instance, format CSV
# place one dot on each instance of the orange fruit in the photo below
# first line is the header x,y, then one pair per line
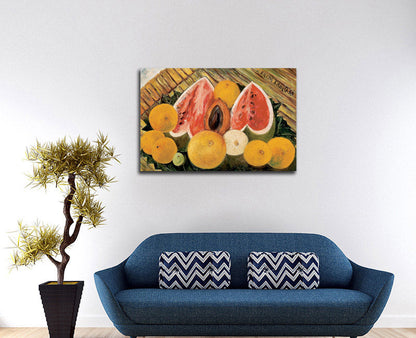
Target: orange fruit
x,y
283,152
206,150
163,150
148,139
257,153
227,91
163,117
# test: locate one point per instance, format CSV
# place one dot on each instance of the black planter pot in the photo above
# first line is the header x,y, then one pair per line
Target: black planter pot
x,y
61,304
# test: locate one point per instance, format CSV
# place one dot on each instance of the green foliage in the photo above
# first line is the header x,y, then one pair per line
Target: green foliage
x,y
284,130
171,99
78,168
53,161
85,205
33,242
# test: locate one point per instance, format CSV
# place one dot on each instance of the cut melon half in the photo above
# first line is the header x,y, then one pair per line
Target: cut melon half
x,y
253,113
191,107
235,142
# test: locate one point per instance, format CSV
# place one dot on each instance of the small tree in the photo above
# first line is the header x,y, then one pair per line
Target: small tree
x,y
78,168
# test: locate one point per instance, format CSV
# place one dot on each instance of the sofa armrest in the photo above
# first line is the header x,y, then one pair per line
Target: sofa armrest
x,y
109,282
375,283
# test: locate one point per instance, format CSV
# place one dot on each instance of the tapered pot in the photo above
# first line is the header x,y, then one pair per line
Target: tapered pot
x,y
61,304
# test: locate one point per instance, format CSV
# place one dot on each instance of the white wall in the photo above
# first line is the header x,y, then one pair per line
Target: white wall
x,y
70,67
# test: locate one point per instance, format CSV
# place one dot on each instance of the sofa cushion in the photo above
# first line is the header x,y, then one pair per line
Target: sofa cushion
x,y
244,306
142,267
194,270
283,270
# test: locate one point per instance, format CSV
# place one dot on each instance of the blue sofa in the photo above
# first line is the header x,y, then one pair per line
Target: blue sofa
x,y
348,302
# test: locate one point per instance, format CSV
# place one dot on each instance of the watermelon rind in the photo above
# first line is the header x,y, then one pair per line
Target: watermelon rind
x,y
252,135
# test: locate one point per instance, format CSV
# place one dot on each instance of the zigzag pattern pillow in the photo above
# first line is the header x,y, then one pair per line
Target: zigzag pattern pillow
x,y
194,270
283,270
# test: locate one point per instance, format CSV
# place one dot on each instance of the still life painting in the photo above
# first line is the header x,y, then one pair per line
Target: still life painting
x,y
217,119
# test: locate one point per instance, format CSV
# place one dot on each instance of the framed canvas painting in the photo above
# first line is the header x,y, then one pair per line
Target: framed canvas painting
x,y
217,119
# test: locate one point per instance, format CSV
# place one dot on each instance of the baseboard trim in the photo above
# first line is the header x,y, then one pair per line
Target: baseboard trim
x,y
94,321
386,321
396,321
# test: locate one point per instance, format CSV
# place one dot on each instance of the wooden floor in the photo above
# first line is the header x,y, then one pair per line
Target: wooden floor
x,y
113,333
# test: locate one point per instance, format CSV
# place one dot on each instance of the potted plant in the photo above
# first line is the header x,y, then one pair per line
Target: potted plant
x,y
77,167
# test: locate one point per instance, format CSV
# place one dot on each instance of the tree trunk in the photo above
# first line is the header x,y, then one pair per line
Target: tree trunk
x,y
67,238
61,270
61,273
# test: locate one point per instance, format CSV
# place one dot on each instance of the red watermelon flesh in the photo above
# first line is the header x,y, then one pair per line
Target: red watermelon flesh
x,y
252,108
192,106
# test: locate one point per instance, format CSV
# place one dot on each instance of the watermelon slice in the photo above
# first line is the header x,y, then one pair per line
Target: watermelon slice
x,y
252,113
191,107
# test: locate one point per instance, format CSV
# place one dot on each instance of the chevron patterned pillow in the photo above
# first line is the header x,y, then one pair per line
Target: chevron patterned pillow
x,y
283,270
194,270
